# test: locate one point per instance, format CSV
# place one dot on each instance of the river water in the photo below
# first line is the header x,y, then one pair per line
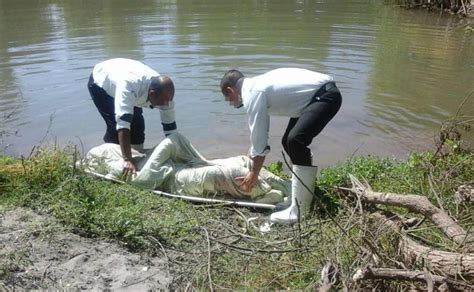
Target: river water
x,y
401,72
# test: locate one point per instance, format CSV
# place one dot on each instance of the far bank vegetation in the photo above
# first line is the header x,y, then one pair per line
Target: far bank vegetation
x,y
461,7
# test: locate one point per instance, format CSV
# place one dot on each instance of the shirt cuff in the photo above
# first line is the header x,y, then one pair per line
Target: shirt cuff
x,y
169,128
122,125
254,153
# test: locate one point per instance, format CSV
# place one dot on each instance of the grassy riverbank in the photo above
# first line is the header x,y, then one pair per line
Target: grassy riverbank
x,y
218,246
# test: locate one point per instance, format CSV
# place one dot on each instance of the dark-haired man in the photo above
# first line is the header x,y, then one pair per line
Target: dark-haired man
x,y
120,88
310,99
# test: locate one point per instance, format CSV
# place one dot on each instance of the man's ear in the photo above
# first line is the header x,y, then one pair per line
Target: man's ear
x,y
229,90
152,96
152,93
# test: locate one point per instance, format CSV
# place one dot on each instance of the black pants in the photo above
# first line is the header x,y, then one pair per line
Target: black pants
x,y
106,106
314,117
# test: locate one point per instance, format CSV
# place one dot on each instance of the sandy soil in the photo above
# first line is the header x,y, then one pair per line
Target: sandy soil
x,y
36,252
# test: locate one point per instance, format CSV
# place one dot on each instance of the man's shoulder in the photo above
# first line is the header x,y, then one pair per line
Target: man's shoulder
x,y
119,61
126,66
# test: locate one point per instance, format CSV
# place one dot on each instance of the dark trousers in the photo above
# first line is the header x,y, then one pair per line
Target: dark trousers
x,y
314,117
106,106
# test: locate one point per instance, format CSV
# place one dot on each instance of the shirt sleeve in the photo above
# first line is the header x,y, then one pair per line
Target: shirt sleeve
x,y
259,124
168,118
124,102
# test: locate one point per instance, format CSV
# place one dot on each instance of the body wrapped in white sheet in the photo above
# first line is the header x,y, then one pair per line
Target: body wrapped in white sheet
x,y
175,166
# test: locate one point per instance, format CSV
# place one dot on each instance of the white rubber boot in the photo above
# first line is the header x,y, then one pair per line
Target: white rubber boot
x,y
301,198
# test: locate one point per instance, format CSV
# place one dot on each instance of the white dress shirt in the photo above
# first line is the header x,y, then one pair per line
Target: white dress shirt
x,y
280,92
128,82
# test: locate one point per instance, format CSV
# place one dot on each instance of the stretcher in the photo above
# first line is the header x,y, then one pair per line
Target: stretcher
x,y
226,201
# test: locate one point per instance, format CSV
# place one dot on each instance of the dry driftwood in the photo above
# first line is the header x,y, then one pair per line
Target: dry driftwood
x,y
450,263
370,273
450,268
417,204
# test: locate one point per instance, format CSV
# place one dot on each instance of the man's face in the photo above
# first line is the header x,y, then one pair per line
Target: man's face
x,y
160,99
233,97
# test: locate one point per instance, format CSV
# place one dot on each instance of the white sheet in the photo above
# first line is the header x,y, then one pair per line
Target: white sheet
x,y
175,166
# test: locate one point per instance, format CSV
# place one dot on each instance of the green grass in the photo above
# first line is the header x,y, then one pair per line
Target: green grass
x,y
289,257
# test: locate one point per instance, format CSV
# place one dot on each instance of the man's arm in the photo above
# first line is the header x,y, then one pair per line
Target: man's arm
x,y
259,123
247,182
124,103
168,120
124,141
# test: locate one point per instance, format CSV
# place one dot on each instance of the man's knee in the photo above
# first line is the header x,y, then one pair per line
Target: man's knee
x,y
297,149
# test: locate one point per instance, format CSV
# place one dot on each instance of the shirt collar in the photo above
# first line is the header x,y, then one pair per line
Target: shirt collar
x,y
245,91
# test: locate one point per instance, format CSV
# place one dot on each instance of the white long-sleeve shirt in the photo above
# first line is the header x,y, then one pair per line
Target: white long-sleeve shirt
x,y
280,92
128,82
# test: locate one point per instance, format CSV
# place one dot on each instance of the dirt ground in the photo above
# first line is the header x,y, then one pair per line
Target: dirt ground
x,y
36,252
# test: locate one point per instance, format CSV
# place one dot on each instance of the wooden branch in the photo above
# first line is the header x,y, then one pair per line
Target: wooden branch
x,y
456,265
417,204
407,275
449,263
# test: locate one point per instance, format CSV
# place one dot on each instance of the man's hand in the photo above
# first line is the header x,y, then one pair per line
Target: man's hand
x,y
247,182
129,168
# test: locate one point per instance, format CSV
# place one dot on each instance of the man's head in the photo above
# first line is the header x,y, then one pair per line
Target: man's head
x,y
230,87
161,91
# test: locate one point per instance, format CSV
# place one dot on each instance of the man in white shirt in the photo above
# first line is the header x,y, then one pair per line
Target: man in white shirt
x,y
310,99
120,88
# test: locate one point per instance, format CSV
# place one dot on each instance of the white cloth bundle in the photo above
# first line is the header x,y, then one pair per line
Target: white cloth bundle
x,y
175,166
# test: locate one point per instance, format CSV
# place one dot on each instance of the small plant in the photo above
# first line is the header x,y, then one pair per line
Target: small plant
x,y
277,169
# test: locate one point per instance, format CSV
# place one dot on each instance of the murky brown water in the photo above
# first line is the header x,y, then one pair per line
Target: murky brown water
x,y
401,72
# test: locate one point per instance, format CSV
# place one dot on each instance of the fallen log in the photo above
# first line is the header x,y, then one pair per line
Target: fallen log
x,y
417,204
370,273
450,269
457,265
452,264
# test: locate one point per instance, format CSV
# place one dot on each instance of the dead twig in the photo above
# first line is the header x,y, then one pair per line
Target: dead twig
x,y
208,259
45,273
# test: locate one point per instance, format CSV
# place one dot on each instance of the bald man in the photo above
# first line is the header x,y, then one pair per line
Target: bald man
x,y
120,88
